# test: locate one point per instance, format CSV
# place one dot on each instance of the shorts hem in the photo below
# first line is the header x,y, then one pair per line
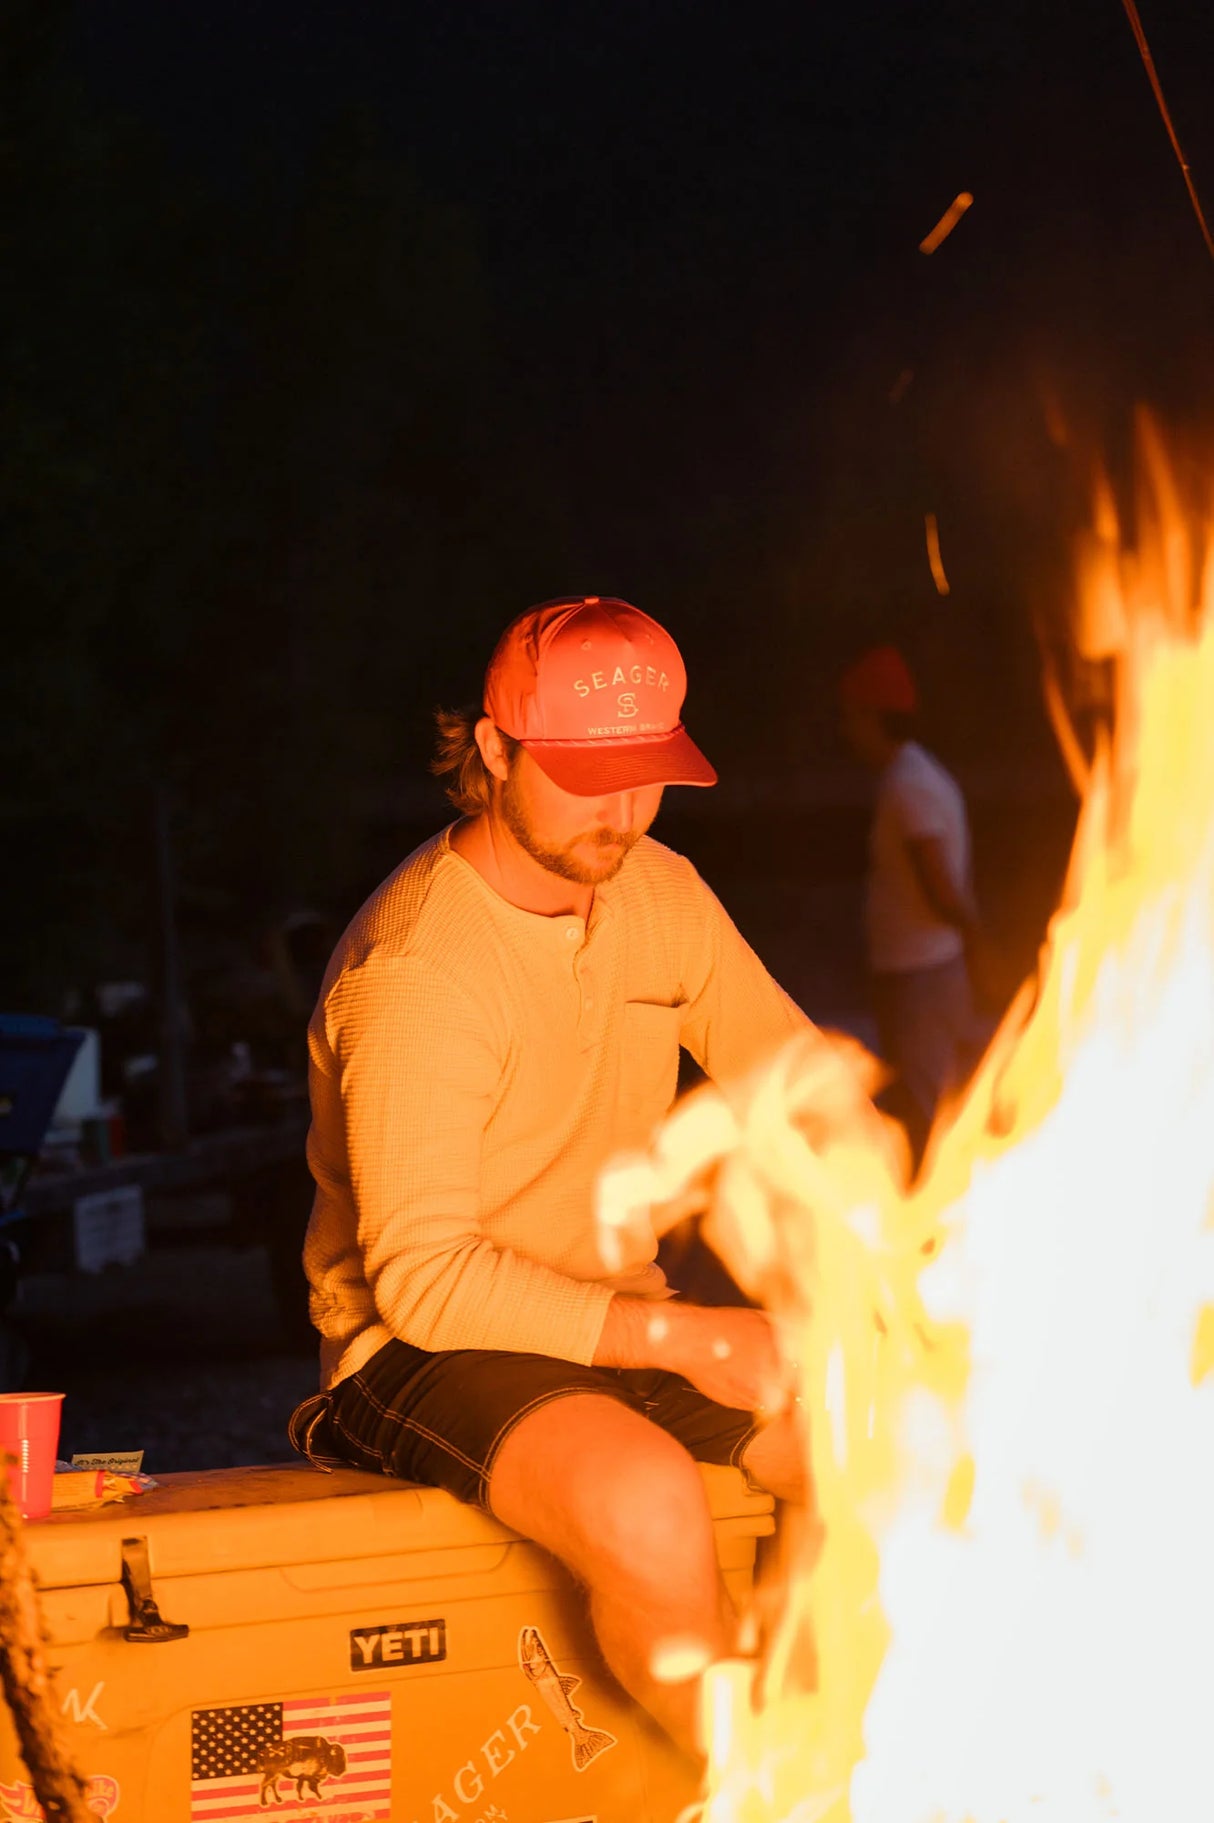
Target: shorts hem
x,y
735,1459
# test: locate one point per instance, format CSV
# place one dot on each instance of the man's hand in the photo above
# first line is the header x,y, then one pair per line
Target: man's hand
x,y
729,1355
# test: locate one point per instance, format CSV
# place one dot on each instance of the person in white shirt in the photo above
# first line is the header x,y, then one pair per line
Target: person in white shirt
x,y
920,915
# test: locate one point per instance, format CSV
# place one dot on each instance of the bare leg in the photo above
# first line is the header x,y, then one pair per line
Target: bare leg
x,y
777,1459
622,1505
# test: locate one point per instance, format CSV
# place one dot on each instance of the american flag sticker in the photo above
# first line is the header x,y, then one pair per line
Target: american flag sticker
x,y
327,1756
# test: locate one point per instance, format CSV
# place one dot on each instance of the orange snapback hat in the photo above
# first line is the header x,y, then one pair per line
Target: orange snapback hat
x,y
594,689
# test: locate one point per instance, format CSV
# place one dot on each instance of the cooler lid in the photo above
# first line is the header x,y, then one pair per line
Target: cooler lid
x,y
271,1517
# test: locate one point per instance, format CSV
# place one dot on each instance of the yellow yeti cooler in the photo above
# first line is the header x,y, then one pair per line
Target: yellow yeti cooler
x,y
246,1642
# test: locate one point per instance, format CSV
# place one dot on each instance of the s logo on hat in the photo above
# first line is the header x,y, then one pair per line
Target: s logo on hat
x,y
593,689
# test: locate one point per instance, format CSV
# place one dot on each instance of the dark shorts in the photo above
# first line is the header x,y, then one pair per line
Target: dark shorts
x,y
440,1419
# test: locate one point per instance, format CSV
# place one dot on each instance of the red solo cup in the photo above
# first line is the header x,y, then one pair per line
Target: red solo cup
x,y
29,1437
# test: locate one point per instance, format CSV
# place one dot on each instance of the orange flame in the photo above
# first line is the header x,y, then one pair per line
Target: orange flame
x,y
1011,1615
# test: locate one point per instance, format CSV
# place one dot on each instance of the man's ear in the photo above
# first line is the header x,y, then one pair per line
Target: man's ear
x,y
489,740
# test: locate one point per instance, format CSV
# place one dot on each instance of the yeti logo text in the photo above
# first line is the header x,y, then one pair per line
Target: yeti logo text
x,y
400,1642
635,674
627,703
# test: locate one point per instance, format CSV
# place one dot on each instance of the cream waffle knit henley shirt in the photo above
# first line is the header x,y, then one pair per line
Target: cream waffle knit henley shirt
x,y
472,1068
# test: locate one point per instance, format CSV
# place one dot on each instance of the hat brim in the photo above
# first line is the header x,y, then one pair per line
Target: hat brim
x,y
593,769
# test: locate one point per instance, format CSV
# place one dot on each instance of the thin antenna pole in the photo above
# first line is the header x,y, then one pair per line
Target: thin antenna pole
x,y
1144,51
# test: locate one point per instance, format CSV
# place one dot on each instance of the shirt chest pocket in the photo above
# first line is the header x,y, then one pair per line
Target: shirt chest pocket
x,y
649,1066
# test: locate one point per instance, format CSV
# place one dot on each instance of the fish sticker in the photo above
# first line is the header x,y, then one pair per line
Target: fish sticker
x,y
538,1667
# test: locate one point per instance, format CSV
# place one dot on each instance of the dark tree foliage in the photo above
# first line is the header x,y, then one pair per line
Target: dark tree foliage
x,y
278,457
106,329
245,462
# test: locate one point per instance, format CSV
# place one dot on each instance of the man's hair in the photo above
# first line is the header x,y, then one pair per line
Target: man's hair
x,y
457,760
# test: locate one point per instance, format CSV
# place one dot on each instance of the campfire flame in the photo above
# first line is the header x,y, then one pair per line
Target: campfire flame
x,y
1008,1613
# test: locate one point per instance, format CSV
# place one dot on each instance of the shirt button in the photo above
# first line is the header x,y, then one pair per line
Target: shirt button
x,y
587,1004
571,935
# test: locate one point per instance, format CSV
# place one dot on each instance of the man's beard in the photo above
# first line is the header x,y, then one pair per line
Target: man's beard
x,y
613,844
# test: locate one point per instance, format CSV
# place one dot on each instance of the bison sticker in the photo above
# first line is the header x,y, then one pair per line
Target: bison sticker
x,y
307,1758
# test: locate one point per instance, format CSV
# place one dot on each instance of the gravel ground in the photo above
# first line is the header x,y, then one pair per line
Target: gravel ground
x,y
180,1355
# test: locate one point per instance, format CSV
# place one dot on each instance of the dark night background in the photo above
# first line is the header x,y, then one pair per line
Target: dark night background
x,y
335,335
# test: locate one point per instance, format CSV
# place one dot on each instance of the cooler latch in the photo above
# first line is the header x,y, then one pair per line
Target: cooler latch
x,y
147,1627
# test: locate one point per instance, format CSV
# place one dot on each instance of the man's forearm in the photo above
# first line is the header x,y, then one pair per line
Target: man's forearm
x,y
637,1331
729,1354
667,1334
475,1295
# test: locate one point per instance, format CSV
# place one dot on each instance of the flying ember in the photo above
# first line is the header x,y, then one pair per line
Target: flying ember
x,y
934,559
1005,1612
948,221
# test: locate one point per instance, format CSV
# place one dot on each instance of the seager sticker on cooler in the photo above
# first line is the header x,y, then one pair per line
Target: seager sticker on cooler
x,y
332,1753
397,1642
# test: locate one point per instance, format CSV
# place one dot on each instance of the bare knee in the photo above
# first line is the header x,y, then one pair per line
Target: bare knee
x,y
777,1457
609,1493
651,1515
